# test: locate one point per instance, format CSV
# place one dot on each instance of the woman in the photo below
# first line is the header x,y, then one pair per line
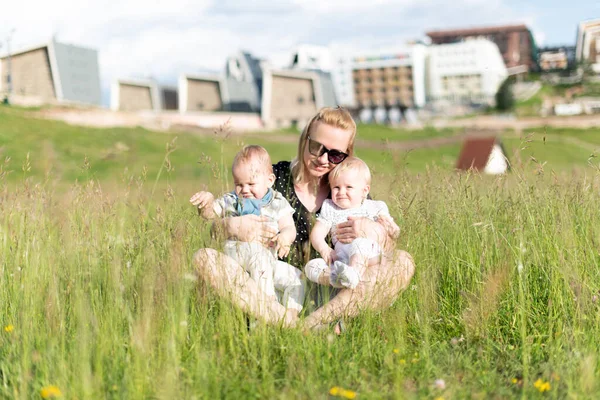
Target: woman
x,y
326,141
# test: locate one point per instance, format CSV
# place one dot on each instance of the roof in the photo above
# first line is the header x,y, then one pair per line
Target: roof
x,y
24,50
475,153
477,30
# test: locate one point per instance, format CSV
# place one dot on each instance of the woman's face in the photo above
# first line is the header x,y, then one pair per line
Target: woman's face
x,y
330,137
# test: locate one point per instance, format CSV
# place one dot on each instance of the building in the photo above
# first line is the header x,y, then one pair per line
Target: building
x,y
310,57
342,80
51,73
386,85
290,98
515,42
243,82
486,155
467,72
588,44
202,93
318,59
556,58
135,95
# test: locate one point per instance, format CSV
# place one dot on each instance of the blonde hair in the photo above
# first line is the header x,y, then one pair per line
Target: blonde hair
x,y
253,152
336,117
353,164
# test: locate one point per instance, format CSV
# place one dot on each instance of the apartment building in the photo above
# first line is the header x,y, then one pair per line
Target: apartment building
x,y
465,72
392,80
515,42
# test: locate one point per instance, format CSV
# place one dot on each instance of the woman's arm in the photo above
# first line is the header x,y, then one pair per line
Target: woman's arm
x,y
247,228
381,232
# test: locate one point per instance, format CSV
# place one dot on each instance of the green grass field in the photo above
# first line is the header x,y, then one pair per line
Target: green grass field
x,y
99,300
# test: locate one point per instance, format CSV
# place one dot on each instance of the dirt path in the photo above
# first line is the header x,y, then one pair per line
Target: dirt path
x,y
479,126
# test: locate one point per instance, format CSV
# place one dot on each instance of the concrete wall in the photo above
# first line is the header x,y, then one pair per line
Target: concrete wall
x,y
292,100
203,95
31,76
134,97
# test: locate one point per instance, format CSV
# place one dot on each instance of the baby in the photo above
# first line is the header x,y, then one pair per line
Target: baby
x,y
343,267
253,178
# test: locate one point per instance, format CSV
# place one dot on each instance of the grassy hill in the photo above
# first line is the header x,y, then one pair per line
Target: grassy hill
x,y
99,297
64,153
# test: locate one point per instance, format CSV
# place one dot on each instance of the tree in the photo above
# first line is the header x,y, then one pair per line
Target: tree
x,y
504,97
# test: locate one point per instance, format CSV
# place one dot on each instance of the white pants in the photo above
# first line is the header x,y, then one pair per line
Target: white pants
x,y
275,278
366,248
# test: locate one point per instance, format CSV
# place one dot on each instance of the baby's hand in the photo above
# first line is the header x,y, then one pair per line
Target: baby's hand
x,y
202,199
329,255
282,246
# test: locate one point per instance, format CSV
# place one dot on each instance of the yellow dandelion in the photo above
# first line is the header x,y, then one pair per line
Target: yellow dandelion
x,y
9,328
541,385
545,387
50,392
348,394
514,380
403,361
439,398
396,351
337,391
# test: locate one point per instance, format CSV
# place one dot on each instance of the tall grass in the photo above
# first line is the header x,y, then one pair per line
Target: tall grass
x,y
99,298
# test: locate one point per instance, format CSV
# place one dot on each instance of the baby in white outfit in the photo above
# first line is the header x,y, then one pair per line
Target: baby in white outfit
x,y
344,265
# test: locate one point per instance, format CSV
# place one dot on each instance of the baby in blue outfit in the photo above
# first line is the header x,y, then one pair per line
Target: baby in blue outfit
x,y
253,178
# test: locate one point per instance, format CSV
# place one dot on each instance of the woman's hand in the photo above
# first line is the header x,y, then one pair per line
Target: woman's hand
x,y
250,228
357,227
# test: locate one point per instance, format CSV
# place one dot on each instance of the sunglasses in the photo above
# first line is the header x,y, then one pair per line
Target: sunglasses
x,y
317,149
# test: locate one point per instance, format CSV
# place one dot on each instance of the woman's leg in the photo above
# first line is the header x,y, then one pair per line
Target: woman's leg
x,y
378,289
230,281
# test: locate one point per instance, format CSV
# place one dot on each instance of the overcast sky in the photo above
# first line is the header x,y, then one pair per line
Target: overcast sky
x,y
141,38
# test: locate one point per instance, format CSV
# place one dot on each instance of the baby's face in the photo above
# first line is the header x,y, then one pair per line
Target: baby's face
x,y
349,189
252,180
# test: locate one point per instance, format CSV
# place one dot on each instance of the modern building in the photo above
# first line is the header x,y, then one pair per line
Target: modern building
x,y
243,82
588,44
52,72
515,42
318,59
310,57
202,93
290,98
467,72
135,95
556,58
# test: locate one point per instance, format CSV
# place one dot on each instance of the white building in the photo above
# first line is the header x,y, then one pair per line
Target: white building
x,y
464,72
588,43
